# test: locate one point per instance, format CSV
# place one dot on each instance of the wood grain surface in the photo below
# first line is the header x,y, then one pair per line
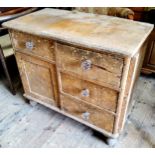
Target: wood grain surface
x,y
38,78
41,47
104,69
102,32
101,119
97,95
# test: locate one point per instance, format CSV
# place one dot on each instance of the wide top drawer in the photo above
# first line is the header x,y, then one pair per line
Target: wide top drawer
x,y
103,69
35,45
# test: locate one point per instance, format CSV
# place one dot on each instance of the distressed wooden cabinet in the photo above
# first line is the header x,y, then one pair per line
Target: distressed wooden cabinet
x,y
149,60
79,64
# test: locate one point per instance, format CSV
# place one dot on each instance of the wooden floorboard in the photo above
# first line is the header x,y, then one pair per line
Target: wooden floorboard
x,y
23,125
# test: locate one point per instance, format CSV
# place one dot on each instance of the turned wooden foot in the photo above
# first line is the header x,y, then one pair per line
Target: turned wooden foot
x,y
111,141
27,100
33,103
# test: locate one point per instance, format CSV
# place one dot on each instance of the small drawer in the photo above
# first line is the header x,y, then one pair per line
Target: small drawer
x,y
89,92
97,117
103,69
35,45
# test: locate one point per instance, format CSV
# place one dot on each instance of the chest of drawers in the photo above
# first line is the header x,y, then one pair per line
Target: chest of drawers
x,y
81,65
149,60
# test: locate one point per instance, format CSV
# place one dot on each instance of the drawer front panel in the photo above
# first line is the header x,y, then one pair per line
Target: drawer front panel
x,y
100,68
101,119
89,92
33,45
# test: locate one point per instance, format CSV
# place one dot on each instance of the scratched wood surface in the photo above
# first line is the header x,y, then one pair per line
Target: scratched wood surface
x,y
87,30
100,96
23,125
38,77
97,117
104,69
41,47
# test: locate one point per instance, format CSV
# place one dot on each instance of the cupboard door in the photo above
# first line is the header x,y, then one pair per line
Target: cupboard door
x,y
38,78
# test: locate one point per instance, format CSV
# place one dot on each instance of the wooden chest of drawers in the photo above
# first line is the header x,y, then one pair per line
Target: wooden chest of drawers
x,y
81,65
149,60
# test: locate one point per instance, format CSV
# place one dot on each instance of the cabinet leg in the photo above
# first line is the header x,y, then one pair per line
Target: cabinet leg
x,y
26,100
33,103
111,141
145,71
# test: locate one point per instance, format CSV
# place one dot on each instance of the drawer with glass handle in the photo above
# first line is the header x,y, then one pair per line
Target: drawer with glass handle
x,y
99,96
100,118
33,45
103,69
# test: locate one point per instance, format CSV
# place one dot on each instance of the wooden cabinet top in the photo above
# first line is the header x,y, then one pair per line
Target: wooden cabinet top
x,y
104,33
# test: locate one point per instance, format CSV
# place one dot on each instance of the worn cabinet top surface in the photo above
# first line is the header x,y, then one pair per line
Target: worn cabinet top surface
x,y
93,31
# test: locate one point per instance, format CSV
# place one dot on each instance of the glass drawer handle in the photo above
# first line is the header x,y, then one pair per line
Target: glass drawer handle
x,y
86,65
85,92
85,115
29,45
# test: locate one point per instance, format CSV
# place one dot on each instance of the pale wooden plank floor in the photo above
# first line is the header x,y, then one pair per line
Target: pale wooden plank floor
x,y
23,125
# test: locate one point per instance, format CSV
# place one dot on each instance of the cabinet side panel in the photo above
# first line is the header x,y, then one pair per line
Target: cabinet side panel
x,y
131,73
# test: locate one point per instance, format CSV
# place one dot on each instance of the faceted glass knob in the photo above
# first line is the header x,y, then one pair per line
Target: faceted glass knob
x,y
86,65
85,115
29,45
85,93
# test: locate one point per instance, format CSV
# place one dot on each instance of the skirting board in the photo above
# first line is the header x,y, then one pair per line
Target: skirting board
x,y
74,118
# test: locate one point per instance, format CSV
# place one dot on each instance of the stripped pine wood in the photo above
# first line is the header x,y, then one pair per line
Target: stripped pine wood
x,y
44,50
97,95
38,78
104,69
93,50
85,29
88,113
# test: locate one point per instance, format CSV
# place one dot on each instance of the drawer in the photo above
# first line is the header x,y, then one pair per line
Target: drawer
x,y
97,117
87,91
35,45
103,69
